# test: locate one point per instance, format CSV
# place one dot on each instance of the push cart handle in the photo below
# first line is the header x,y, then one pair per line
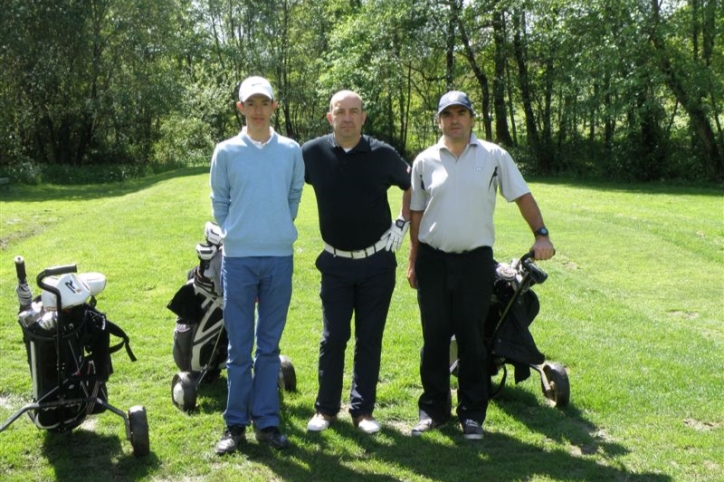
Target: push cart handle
x,y
538,275
55,271
20,269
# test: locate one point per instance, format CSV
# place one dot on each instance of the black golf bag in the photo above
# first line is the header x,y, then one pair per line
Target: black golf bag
x,y
85,362
507,336
68,347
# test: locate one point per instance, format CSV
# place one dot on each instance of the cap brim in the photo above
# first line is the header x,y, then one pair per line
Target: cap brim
x,y
451,104
257,92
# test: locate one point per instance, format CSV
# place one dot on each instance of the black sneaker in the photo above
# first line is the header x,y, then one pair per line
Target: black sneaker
x,y
472,430
230,441
273,437
425,425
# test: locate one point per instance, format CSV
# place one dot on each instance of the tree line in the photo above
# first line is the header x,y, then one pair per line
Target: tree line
x,y
623,89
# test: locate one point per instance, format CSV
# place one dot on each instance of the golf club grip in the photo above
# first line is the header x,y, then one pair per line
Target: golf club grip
x,y
20,269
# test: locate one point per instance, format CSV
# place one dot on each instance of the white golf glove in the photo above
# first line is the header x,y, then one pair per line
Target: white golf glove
x,y
397,234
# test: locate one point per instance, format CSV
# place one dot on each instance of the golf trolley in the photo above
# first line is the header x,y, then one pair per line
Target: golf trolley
x,y
200,346
508,340
69,354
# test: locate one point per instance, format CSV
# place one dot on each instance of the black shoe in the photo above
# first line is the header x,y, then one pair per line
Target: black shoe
x,y
425,425
472,430
230,441
273,437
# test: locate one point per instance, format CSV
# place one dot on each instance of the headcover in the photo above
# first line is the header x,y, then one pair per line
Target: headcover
x,y
73,291
213,233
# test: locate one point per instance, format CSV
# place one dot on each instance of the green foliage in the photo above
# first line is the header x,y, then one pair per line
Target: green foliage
x,y
137,82
183,141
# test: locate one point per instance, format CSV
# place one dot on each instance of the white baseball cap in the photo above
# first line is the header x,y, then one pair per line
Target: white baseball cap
x,y
253,86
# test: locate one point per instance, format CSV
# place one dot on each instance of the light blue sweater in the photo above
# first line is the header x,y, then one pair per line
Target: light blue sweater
x,y
255,194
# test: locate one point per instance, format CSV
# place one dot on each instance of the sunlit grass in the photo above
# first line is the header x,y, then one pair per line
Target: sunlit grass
x,y
632,308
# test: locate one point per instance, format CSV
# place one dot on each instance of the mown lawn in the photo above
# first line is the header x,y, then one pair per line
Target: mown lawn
x,y
632,308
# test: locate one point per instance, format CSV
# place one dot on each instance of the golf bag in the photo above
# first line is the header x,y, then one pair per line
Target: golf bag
x,y
200,346
68,347
507,335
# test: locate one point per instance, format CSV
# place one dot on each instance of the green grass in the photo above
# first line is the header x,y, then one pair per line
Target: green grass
x,y
632,308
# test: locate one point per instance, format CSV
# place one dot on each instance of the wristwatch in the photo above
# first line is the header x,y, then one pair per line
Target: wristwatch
x,y
541,232
400,223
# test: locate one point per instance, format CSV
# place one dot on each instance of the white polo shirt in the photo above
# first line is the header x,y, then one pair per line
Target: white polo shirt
x,y
458,195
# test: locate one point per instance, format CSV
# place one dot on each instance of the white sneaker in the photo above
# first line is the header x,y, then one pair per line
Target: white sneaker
x,y
367,424
320,422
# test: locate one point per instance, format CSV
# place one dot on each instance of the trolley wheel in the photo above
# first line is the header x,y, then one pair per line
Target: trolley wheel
x,y
139,430
287,375
560,389
183,391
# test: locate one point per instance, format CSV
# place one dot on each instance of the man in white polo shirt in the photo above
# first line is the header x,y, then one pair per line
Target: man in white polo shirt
x,y
454,189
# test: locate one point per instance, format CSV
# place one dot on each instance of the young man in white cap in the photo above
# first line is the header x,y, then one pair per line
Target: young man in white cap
x,y
256,182
454,188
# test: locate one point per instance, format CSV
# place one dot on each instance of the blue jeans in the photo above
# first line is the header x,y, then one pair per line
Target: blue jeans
x,y
253,397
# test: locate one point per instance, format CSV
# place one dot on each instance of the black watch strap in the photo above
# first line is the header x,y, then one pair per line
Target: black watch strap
x,y
541,231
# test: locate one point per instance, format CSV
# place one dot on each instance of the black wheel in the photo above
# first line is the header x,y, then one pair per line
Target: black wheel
x,y
287,375
139,430
183,391
559,392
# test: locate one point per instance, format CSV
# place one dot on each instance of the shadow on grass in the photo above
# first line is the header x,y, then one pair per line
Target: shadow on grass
x,y
578,450
498,457
81,455
563,425
86,192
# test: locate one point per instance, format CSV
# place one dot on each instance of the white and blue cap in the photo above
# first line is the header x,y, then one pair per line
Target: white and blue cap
x,y
253,86
455,97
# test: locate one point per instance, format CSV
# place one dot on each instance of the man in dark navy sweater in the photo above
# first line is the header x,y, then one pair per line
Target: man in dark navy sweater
x,y
351,175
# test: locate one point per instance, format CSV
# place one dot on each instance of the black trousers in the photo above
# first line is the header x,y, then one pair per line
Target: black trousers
x,y
363,287
454,291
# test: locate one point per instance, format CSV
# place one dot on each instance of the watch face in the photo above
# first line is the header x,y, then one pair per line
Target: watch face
x,y
542,232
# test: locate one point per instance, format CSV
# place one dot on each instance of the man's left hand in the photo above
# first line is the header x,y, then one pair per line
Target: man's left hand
x,y
543,249
397,234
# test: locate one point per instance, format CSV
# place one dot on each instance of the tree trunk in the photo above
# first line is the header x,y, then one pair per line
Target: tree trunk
x,y
477,70
502,132
713,159
526,92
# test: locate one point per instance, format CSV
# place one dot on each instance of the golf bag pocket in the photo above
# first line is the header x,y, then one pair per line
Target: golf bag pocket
x,y
200,346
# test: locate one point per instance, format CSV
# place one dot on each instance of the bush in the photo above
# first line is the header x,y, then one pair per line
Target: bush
x,y
25,172
93,174
183,142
